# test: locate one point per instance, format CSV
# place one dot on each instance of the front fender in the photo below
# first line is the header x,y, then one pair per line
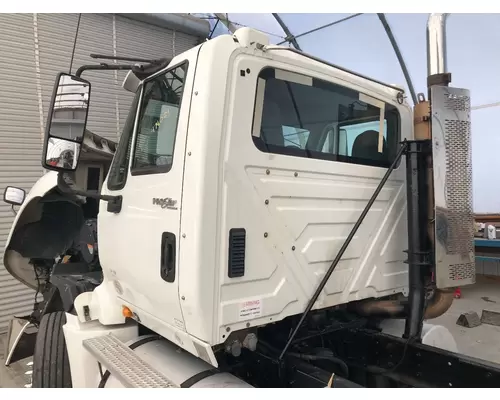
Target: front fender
x,y
30,211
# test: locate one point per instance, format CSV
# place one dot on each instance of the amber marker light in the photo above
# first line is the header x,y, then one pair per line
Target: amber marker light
x,y
127,312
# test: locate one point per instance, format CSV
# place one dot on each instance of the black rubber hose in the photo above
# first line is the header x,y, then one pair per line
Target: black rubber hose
x,y
311,357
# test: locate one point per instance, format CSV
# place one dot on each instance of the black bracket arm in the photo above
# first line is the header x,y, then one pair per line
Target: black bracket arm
x,y
114,202
103,67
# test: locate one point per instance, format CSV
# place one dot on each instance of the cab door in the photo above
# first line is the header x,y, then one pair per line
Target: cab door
x,y
139,240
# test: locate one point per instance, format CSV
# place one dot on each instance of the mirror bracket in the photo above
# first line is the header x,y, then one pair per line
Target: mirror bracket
x,y
103,67
114,202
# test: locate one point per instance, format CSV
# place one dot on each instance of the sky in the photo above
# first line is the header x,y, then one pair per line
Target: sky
x,y
361,44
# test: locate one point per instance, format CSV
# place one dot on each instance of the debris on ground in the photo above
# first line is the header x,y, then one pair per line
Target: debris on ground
x,y
490,317
469,319
488,300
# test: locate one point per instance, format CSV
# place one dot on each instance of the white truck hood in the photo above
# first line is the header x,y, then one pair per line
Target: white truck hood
x,y
14,263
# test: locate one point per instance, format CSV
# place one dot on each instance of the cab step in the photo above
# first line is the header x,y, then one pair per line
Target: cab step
x,y
124,364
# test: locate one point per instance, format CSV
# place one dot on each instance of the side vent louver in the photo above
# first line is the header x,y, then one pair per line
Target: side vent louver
x,y
236,262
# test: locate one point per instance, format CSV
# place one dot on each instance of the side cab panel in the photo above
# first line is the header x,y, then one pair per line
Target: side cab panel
x,y
297,211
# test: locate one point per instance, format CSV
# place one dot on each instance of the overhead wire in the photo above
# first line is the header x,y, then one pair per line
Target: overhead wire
x,y
228,21
289,38
322,27
488,105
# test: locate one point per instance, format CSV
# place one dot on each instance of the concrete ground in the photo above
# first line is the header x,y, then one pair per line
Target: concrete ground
x,y
481,342
12,376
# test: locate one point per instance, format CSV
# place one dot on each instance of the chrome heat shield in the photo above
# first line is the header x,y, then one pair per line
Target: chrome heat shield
x,y
452,169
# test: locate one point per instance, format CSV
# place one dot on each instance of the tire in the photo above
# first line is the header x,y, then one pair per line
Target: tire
x,y
50,360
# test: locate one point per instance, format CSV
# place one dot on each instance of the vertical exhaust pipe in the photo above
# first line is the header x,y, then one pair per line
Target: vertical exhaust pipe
x,y
421,226
450,126
437,62
420,182
447,130
420,176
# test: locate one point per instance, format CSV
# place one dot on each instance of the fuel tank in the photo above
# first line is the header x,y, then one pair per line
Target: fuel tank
x,y
179,366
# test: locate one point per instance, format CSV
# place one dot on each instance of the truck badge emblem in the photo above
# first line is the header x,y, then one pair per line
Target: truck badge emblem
x,y
166,202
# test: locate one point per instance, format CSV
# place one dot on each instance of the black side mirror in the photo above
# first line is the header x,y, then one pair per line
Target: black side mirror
x,y
66,123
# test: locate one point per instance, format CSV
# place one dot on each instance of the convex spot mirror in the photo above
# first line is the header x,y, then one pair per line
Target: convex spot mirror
x,y
66,123
131,82
14,196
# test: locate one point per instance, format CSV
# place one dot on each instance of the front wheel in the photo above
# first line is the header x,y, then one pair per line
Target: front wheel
x,y
50,360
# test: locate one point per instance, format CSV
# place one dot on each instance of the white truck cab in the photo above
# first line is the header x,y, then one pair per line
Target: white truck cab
x,y
236,199
257,195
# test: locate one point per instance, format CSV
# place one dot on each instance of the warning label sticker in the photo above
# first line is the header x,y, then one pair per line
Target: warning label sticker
x,y
250,309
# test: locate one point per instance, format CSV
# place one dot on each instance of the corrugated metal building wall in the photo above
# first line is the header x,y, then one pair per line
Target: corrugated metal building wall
x,y
33,49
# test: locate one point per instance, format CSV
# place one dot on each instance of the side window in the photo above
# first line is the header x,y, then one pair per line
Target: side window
x,y
301,116
348,133
119,167
295,137
157,125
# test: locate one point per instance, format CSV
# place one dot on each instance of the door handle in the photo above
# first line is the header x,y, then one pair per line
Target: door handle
x,y
167,259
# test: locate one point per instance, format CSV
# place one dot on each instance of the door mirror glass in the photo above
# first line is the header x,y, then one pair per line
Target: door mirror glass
x,y
66,122
13,195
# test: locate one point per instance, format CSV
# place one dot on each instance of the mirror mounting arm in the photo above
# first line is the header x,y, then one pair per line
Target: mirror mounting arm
x,y
105,67
114,202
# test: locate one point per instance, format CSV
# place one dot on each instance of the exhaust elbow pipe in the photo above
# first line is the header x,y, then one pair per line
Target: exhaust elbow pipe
x,y
440,303
437,305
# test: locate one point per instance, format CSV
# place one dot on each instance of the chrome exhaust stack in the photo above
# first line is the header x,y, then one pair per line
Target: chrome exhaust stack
x,y
436,44
440,227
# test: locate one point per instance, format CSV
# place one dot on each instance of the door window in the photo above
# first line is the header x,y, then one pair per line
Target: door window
x,y
157,125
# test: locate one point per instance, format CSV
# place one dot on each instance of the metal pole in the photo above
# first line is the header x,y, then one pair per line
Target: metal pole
x,y
289,37
399,56
225,20
418,243
343,249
